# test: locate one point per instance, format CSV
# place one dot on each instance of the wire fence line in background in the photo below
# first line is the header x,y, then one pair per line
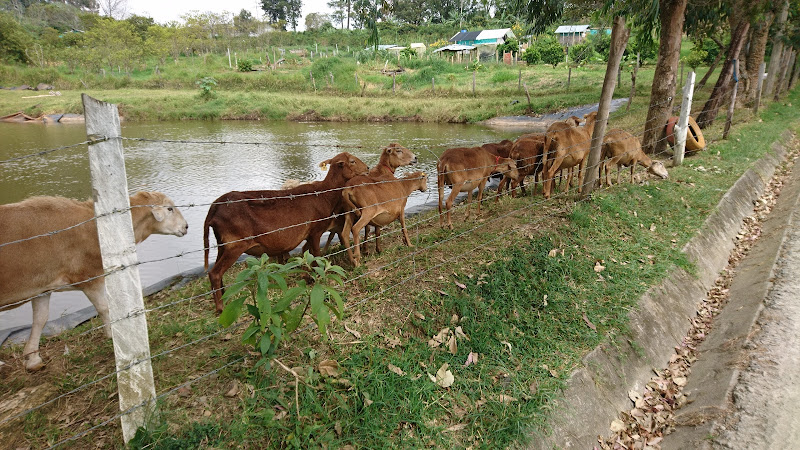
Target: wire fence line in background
x,y
410,255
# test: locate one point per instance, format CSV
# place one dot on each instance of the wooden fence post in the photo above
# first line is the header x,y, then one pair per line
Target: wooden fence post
x,y
733,99
759,86
313,83
682,127
433,84
528,94
569,77
519,81
473,81
619,39
137,390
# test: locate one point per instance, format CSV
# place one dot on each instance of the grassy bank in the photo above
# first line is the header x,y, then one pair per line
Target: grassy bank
x,y
288,92
528,312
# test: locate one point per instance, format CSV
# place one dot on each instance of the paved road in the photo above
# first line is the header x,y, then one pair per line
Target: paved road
x,y
767,395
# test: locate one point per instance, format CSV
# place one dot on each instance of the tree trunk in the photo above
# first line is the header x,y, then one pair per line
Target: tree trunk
x,y
758,44
777,50
711,108
672,15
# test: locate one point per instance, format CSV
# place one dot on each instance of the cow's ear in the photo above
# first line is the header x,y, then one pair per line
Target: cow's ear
x,y
340,163
159,214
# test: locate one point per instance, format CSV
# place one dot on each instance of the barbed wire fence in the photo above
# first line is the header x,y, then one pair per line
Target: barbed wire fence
x,y
137,409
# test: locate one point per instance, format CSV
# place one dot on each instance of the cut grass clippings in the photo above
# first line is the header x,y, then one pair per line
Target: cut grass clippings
x,y
522,296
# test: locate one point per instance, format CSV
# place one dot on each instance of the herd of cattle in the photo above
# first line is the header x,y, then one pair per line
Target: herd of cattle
x,y
36,258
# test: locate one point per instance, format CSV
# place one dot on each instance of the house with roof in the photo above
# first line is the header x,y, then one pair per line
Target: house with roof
x,y
569,35
483,37
483,43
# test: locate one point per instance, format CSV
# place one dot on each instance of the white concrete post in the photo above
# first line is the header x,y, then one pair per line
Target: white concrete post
x,y
682,127
230,66
118,250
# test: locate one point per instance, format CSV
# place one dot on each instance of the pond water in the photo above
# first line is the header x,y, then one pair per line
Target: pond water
x,y
264,155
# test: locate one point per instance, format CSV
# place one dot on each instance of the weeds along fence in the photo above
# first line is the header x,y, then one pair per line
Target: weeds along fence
x,y
137,396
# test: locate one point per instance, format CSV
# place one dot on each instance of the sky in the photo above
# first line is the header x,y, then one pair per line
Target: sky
x,y
168,11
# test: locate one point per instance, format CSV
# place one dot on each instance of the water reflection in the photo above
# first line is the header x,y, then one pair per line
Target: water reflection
x,y
197,173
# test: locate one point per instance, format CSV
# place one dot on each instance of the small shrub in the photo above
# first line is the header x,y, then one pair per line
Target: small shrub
x,y
276,308
207,85
695,58
531,55
550,51
580,53
245,66
408,53
475,65
511,45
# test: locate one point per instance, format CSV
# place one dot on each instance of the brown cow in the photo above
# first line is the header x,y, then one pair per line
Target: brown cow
x,y
527,153
466,169
59,262
379,201
566,146
621,148
275,222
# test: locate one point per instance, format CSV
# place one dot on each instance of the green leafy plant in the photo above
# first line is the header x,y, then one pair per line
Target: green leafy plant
x,y
245,66
408,53
581,53
207,85
511,46
550,51
531,56
696,57
278,309
474,65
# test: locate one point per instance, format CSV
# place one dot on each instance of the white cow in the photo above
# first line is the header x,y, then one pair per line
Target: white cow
x,y
46,264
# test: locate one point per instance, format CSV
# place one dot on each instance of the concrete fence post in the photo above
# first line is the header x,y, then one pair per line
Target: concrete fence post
x,y
682,127
137,390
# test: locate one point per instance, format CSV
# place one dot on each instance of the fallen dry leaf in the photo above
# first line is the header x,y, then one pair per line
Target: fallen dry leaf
x,y
456,427
617,426
367,400
461,285
393,342
396,370
452,345
598,267
460,333
355,333
472,358
328,368
552,253
502,398
652,227
440,338
589,322
233,389
444,377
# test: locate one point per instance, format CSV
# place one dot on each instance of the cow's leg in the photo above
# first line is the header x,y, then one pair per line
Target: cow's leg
x,y
481,187
456,188
633,166
96,292
346,233
224,262
366,215
41,310
377,231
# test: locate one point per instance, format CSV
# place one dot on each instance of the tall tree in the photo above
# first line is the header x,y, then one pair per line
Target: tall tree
x,y
114,8
777,48
668,16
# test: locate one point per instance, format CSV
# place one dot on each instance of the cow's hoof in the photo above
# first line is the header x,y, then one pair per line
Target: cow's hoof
x,y
34,363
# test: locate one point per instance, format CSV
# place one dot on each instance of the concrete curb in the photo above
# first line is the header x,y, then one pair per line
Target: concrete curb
x,y
598,390
718,366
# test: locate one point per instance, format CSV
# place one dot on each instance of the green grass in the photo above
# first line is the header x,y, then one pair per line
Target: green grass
x,y
288,91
